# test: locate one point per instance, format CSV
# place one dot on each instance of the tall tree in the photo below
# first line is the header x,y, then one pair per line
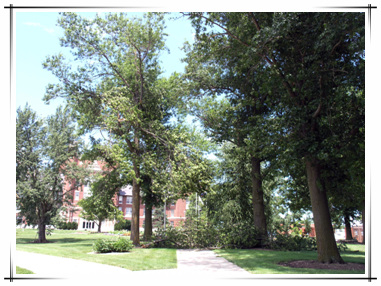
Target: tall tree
x,y
218,64
117,86
43,152
317,62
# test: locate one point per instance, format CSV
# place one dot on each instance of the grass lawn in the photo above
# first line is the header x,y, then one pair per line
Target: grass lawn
x,y
72,244
20,270
266,261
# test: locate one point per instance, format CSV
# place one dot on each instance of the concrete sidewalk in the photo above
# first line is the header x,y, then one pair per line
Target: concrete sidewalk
x,y
191,264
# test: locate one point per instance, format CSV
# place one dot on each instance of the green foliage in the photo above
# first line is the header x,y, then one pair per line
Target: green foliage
x,y
67,225
239,235
198,232
123,225
193,234
112,245
44,149
293,242
100,205
342,246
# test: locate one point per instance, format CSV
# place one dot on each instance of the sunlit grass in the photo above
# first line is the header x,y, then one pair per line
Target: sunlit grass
x,y
20,270
78,245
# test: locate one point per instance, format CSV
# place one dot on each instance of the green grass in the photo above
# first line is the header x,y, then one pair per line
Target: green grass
x,y
266,261
72,244
20,270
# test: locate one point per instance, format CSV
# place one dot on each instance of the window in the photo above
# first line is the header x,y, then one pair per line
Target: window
x,y
93,225
129,200
120,208
86,190
76,195
172,213
84,224
120,199
128,211
172,223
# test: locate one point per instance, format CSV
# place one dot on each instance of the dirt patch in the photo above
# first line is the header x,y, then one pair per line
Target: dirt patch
x,y
317,265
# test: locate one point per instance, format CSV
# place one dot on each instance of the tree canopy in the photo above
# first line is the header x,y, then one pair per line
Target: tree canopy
x,y
44,149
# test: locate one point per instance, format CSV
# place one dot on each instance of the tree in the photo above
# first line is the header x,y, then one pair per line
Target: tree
x,y
176,171
316,64
220,65
117,86
43,153
100,206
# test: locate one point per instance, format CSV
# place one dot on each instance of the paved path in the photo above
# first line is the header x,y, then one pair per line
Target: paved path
x,y
192,264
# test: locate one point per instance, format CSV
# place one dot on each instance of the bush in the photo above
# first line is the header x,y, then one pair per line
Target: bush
x,y
123,225
67,225
198,233
112,245
239,235
293,242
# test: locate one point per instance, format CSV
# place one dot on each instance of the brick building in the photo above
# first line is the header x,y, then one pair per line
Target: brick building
x,y
357,233
175,212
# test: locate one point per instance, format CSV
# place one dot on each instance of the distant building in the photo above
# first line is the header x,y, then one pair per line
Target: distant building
x,y
357,233
175,212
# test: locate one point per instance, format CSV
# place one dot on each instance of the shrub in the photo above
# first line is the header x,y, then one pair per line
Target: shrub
x,y
123,225
293,242
198,233
238,235
342,246
122,245
67,225
112,245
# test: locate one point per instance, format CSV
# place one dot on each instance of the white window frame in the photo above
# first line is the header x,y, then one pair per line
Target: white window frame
x,y
129,212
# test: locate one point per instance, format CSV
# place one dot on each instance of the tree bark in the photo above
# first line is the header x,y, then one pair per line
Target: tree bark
x,y
135,212
258,202
325,238
148,223
135,192
100,226
348,231
41,232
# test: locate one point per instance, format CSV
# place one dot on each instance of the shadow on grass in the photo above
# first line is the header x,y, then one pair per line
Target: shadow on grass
x,y
266,261
63,242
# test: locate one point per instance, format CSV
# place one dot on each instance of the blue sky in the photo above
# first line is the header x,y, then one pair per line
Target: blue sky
x,y
37,36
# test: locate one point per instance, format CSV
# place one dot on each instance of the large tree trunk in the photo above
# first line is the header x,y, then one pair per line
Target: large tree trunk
x,y
41,232
148,223
348,230
258,202
135,193
135,212
100,226
325,238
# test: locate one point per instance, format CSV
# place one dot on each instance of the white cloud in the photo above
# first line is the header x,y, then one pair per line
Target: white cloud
x,y
46,29
32,24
